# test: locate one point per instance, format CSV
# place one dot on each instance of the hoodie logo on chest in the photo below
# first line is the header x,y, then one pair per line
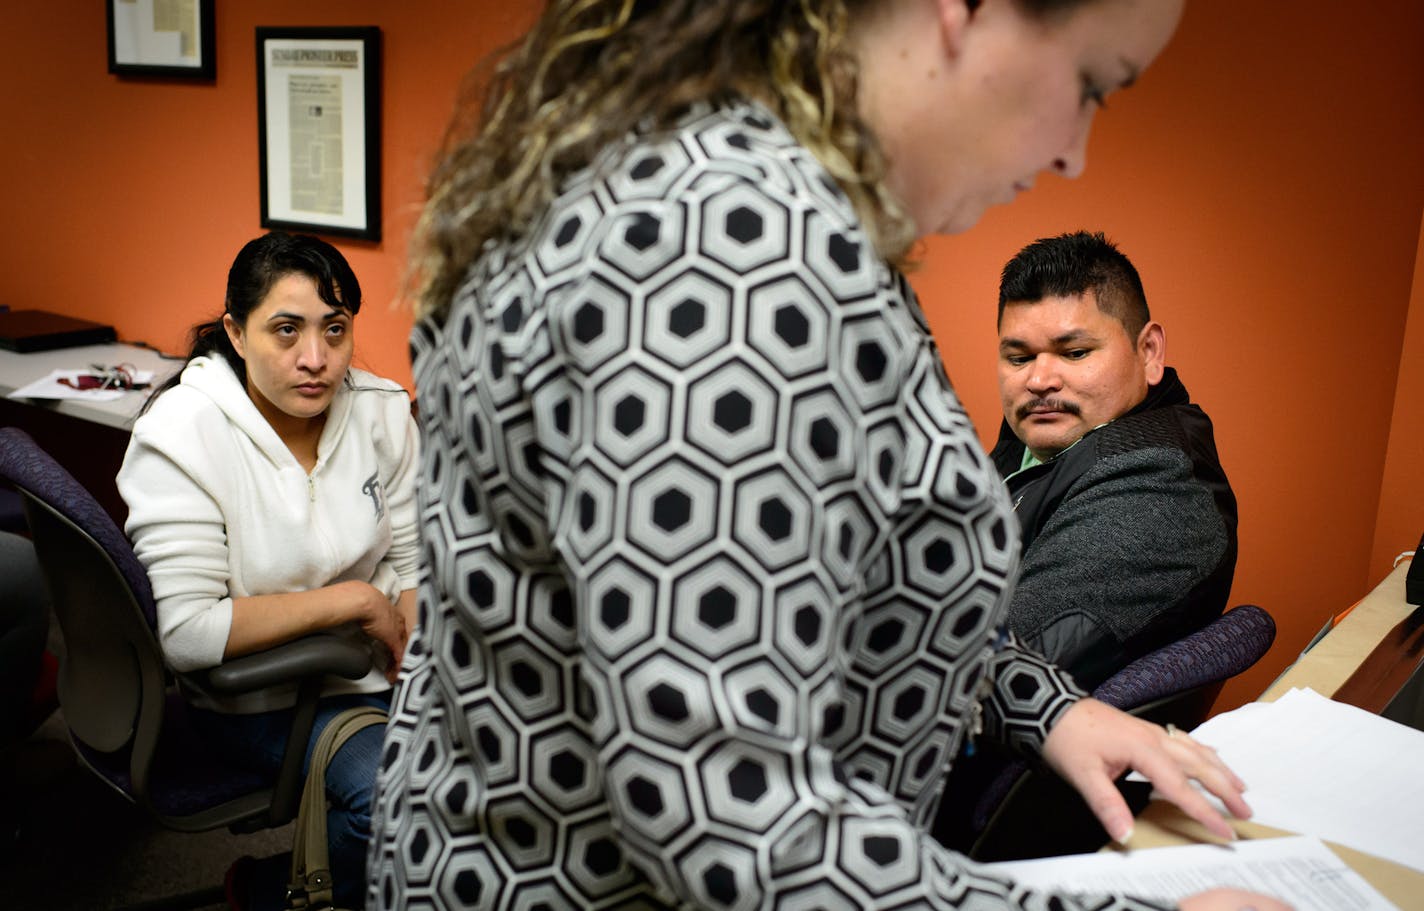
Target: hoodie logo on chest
x,y
372,489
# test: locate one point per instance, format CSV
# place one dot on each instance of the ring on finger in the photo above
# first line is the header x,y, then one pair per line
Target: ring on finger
x,y
1175,733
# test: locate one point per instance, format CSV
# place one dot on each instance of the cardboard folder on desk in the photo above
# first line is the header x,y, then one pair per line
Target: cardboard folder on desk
x,y
40,330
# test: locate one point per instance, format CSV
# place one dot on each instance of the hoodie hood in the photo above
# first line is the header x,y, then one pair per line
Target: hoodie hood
x,y
213,378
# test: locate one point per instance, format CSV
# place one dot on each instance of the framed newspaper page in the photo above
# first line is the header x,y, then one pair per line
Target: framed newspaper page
x,y
161,38
319,129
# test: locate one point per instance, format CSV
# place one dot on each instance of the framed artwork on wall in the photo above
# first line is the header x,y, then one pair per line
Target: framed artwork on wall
x,y
319,129
161,38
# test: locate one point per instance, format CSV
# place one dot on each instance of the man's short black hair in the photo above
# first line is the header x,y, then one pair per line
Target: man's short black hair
x,y
1072,264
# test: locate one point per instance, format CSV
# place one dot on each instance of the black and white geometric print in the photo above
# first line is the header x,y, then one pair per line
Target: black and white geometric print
x,y
713,561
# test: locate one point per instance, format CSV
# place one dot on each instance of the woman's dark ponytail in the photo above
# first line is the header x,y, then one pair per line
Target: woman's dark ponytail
x,y
207,339
211,338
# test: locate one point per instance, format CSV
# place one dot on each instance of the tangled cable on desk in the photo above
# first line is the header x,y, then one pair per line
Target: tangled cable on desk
x,y
119,376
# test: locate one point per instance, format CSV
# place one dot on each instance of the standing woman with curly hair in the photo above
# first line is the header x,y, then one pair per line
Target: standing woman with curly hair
x,y
714,568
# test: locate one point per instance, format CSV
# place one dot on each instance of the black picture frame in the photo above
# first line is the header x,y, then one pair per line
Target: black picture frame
x,y
319,129
151,38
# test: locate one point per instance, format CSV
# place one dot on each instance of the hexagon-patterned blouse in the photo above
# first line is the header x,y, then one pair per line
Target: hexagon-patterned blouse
x,y
714,566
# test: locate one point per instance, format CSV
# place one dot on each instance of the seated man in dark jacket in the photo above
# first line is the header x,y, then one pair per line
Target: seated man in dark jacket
x,y
1129,524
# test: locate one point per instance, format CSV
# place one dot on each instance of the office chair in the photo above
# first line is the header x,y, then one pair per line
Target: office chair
x,y
1026,812
126,720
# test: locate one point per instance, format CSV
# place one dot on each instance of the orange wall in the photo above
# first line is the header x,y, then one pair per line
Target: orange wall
x,y
1401,509
1265,176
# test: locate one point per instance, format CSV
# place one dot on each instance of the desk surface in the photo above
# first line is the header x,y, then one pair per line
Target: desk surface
x,y
1324,668
1332,660
17,370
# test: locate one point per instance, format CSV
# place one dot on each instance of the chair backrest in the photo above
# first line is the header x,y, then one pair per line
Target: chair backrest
x,y
112,670
1179,681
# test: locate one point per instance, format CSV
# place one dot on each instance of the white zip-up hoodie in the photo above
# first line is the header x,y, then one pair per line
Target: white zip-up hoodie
x,y
219,508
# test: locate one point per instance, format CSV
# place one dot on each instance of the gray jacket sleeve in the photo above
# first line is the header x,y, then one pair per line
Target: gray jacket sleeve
x,y
1124,548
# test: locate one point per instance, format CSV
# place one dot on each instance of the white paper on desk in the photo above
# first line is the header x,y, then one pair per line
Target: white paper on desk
x,y
50,387
1323,768
1299,870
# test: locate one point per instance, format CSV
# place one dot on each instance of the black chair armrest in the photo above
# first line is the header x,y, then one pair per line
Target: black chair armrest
x,y
305,663
320,654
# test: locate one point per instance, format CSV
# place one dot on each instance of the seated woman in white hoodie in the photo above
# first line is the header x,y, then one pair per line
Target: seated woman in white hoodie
x,y
271,495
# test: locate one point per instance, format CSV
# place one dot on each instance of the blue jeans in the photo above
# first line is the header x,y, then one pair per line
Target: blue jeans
x,y
258,741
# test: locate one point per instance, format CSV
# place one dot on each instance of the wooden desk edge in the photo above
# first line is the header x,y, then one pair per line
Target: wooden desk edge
x,y
1327,666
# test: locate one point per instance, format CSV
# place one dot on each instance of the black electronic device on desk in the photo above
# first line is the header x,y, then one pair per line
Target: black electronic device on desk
x,y
1407,705
39,330
1414,579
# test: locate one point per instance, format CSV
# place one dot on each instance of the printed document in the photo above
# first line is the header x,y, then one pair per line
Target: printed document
x,y
1299,870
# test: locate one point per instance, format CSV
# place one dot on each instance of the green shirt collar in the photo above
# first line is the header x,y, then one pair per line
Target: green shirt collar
x,y
1030,460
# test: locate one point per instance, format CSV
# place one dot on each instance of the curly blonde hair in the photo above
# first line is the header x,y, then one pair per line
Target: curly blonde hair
x,y
591,71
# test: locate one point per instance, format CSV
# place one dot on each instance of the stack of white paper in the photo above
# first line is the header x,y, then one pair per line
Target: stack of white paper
x,y
1326,769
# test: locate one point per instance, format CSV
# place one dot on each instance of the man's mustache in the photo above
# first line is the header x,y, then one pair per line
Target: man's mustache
x,y
1062,405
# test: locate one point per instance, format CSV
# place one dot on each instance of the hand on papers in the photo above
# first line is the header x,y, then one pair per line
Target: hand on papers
x,y
1094,743
1231,900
